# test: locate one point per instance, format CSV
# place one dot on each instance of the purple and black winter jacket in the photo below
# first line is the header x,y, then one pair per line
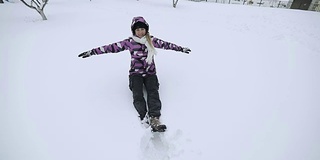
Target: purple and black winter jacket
x,y
138,52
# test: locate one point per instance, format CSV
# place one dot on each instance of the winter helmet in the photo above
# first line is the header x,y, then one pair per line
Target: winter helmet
x,y
139,22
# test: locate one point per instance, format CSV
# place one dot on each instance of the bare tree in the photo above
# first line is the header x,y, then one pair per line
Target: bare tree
x,y
175,3
38,6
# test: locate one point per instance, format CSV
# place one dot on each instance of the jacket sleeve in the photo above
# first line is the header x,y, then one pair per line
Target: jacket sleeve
x,y
158,43
113,48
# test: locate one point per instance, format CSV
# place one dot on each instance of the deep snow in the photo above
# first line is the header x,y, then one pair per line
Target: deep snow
x,y
249,90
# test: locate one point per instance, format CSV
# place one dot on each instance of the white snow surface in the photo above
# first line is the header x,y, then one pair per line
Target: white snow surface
x,y
249,90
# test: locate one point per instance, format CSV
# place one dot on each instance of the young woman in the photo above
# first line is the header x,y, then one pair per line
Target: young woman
x,y
143,71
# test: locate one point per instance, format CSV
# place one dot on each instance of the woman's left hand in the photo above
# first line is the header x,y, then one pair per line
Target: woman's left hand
x,y
186,50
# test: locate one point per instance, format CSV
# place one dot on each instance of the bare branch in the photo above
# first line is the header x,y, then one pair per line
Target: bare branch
x,y
45,2
37,3
30,6
39,6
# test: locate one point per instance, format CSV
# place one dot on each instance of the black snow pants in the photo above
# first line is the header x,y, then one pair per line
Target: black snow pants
x,y
151,84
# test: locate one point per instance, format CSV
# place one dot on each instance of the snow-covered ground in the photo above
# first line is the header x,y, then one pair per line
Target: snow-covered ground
x,y
249,90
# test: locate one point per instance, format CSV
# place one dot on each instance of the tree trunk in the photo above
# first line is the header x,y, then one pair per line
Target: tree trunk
x,y
42,14
175,3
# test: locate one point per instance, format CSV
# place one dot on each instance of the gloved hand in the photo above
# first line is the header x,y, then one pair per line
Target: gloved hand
x,y
86,54
186,50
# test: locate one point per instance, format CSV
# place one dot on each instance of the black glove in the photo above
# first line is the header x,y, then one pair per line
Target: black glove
x,y
86,54
186,50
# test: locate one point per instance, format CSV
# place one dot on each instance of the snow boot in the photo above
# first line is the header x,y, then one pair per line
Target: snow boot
x,y
145,122
156,125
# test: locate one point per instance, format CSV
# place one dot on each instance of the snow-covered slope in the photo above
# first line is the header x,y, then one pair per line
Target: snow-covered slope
x,y
249,90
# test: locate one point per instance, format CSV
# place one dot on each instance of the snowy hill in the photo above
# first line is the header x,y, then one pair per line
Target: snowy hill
x,y
249,90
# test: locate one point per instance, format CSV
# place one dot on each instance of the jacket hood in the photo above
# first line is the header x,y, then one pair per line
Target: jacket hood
x,y
139,22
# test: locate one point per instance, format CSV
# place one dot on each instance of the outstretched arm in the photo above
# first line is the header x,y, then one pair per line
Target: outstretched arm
x,y
111,48
158,43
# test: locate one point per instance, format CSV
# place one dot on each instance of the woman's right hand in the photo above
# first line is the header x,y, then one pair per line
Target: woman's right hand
x,y
86,54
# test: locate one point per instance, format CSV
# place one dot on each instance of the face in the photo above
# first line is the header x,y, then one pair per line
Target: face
x,y
140,32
